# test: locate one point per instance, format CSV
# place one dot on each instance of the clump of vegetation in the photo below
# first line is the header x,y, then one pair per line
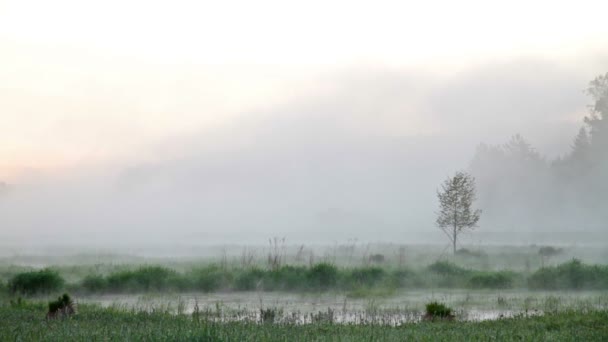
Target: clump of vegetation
x,y
269,315
449,275
149,278
94,283
366,276
323,276
492,280
287,278
249,279
447,269
208,279
377,258
438,310
30,283
571,275
62,307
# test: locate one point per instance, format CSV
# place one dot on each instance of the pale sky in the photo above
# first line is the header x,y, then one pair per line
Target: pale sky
x,y
95,81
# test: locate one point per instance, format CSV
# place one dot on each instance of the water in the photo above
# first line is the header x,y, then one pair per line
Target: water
x,y
404,307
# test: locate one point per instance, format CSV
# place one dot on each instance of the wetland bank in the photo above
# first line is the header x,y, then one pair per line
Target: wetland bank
x,y
249,293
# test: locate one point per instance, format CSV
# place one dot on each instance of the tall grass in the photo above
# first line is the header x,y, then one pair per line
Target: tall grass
x,y
110,324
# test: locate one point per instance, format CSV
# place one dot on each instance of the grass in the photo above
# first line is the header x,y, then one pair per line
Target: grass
x,y
92,323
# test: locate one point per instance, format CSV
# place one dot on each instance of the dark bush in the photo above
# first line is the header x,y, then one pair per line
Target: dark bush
x,y
322,276
211,278
94,283
286,278
447,274
377,258
492,280
446,268
29,283
249,279
147,278
62,307
571,275
436,309
367,276
269,315
405,278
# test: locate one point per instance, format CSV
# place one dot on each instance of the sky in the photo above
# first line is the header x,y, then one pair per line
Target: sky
x,y
170,90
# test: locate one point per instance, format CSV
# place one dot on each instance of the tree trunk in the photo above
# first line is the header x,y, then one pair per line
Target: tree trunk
x,y
454,241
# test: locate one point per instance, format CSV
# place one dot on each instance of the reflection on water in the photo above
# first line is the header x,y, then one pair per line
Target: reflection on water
x,y
339,308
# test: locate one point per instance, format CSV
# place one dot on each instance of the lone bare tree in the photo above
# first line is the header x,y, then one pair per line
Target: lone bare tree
x,y
455,206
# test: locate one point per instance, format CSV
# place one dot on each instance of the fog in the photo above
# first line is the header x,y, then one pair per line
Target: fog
x,y
359,156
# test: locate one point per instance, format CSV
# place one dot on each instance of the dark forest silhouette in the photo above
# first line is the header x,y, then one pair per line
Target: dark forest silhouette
x,y
519,188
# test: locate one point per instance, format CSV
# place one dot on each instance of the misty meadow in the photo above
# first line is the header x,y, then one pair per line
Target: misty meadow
x,y
320,171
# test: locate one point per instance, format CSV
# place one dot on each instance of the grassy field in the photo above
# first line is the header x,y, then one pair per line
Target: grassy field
x,y
291,293
26,323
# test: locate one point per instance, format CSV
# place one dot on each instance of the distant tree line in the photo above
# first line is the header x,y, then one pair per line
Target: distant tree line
x,y
518,187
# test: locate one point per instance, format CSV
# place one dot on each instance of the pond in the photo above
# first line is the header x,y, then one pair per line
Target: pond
x,y
401,307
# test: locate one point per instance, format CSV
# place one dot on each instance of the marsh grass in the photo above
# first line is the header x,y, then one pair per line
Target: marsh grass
x,y
114,324
358,281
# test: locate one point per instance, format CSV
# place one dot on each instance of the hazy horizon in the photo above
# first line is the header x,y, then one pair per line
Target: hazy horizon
x,y
260,120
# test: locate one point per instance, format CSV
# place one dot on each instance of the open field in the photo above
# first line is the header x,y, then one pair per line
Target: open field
x,y
25,323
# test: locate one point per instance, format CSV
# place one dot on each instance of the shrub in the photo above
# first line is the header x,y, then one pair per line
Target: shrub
x,y
367,276
143,279
377,258
446,268
450,275
571,275
211,278
63,306
29,283
286,278
322,276
249,279
436,309
94,283
405,278
492,280
269,315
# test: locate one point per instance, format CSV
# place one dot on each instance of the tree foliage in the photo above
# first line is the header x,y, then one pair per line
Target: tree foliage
x,y
455,206
520,188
